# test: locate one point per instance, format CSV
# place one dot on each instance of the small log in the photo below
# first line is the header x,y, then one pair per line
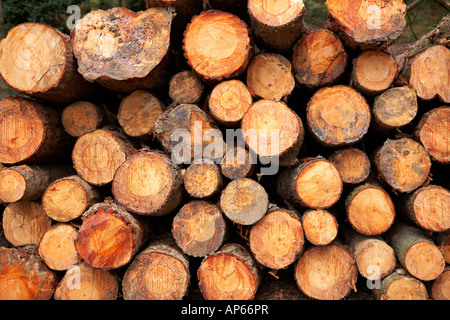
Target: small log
x,y
229,274
25,223
199,228
138,113
38,60
277,25
366,24
319,59
439,287
443,242
229,101
203,180
189,134
277,240
185,88
57,247
353,164
426,67
403,164
244,201
139,43
373,72
338,116
18,118
82,282
159,272
428,207
370,210
24,276
68,198
326,272
28,182
416,252
97,155
82,117
148,183
217,45
375,259
320,226
401,286
270,76
109,236
313,183
272,130
237,163
433,132
394,108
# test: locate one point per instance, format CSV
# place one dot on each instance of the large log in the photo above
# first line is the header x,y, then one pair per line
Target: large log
x,y
19,117
38,60
439,288
399,285
110,50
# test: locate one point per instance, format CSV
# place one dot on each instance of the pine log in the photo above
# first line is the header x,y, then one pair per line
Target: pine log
x,y
440,287
277,25
403,164
428,207
159,272
97,155
148,183
373,72
229,101
138,113
338,116
237,163
319,59
189,134
109,236
433,132
185,88
375,259
83,282
443,242
24,276
270,76
28,182
353,164
401,286
273,131
326,272
25,223
244,201
217,45
394,108
277,240
320,226
121,49
68,198
229,274
19,117
370,210
313,183
57,247
430,73
416,252
366,24
82,117
199,228
203,180
37,60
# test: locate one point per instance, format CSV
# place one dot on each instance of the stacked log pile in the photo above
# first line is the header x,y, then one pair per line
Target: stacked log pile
x,y
226,150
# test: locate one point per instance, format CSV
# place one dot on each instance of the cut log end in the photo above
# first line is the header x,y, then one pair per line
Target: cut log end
x,y
400,286
217,45
320,226
424,261
440,288
237,163
277,240
203,180
12,185
338,116
82,117
185,88
353,165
